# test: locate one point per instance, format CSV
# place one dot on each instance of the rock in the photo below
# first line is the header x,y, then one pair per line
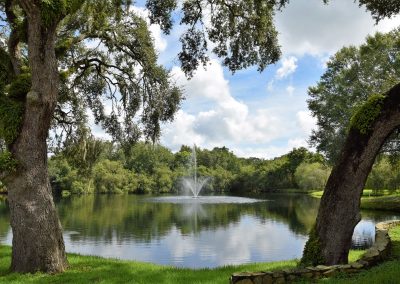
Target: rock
x,y
267,279
291,277
323,268
357,265
280,280
371,253
330,273
307,275
258,279
244,281
278,274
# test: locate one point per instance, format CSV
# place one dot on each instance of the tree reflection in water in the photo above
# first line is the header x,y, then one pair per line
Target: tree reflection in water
x,y
196,234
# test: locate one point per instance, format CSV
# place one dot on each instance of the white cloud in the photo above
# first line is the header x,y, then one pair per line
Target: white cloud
x,y
223,119
289,66
310,27
160,43
290,89
306,121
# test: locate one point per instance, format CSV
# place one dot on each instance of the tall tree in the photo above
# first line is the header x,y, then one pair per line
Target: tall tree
x,y
353,74
62,57
339,211
370,126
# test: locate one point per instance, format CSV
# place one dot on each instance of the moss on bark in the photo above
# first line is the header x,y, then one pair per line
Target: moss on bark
x,y
312,254
365,116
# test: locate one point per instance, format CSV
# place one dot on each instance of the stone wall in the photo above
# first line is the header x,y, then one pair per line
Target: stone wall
x,y
379,251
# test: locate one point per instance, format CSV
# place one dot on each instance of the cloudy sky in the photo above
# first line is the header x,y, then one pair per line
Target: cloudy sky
x,y
264,115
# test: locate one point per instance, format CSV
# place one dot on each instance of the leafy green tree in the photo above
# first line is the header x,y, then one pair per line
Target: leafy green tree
x,y
312,176
83,150
63,176
52,70
371,124
163,179
381,176
112,177
145,157
221,179
353,74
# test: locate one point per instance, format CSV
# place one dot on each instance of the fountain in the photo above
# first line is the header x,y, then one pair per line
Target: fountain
x,y
192,186
194,183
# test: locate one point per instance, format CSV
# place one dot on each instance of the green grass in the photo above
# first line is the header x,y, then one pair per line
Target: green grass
x,y
90,269
384,201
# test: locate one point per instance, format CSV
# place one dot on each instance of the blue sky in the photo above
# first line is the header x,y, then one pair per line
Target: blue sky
x,y
263,115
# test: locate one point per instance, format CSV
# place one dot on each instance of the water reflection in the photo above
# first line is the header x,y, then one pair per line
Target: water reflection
x,y
194,234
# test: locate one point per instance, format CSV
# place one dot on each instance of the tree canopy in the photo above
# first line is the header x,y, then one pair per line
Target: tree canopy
x,y
353,75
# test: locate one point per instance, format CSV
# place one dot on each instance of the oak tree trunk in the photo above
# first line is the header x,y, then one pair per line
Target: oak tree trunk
x,y
37,234
339,210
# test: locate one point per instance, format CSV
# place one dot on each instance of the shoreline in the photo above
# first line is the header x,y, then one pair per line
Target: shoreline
x,y
88,269
388,202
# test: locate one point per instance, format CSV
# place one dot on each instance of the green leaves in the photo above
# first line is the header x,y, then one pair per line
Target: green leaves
x,y
161,13
10,119
381,9
52,11
353,74
7,162
242,32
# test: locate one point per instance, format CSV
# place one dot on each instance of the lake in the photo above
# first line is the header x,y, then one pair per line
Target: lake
x,y
207,232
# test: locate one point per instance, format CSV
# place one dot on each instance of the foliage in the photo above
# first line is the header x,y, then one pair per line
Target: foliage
x,y
242,32
353,74
366,115
312,254
154,168
111,177
12,94
312,175
53,10
10,118
7,162
381,9
384,175
63,177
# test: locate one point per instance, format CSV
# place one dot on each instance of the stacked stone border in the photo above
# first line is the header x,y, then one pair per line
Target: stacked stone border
x,y
379,252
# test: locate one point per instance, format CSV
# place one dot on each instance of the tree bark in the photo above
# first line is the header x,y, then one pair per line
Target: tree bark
x,y
339,211
37,234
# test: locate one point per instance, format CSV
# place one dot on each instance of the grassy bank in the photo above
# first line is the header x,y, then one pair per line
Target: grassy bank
x,y
385,201
89,269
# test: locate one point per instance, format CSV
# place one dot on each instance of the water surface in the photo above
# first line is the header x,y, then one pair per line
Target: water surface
x,y
187,232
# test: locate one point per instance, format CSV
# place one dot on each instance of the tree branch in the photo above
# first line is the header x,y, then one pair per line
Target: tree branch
x,y
14,39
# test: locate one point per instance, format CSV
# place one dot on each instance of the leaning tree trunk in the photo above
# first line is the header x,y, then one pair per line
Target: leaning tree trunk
x,y
37,235
339,211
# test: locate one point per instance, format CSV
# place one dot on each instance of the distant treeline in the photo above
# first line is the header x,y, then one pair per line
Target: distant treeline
x,y
89,165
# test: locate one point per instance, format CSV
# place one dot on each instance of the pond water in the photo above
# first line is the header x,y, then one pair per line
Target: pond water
x,y
187,232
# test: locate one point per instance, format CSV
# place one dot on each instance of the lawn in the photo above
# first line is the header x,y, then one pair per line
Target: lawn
x,y
89,269
384,201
